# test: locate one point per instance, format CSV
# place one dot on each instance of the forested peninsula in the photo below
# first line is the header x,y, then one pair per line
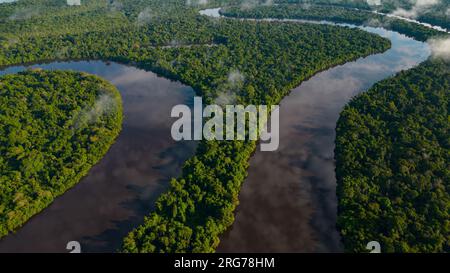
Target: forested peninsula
x,y
55,125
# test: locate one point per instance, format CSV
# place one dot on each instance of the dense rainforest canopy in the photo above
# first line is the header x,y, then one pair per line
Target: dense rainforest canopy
x,y
392,146
335,14
54,126
271,57
393,162
172,39
435,12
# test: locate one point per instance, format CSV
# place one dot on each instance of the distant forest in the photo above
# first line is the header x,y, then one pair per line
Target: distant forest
x,y
335,14
432,12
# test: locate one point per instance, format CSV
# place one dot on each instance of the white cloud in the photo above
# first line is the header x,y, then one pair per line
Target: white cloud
x,y
25,13
145,16
419,6
373,2
105,104
74,2
248,4
426,3
196,2
374,22
225,98
440,48
235,78
227,91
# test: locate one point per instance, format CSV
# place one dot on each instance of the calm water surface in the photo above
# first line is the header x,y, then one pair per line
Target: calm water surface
x,y
119,191
288,201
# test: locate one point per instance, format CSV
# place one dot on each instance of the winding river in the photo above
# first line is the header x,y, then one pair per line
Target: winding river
x,y
119,191
288,201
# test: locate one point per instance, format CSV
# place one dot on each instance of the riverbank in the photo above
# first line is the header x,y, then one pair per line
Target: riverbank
x,y
122,187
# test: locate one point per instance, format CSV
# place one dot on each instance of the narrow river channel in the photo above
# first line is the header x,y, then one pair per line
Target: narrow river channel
x,y
288,201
